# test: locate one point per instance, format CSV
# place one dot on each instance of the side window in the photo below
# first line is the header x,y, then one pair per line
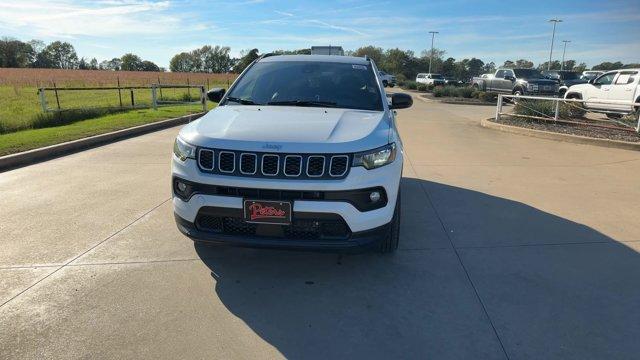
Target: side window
x,y
500,74
625,78
510,73
605,79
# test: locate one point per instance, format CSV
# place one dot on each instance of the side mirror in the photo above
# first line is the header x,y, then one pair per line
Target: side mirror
x,y
401,101
591,81
215,94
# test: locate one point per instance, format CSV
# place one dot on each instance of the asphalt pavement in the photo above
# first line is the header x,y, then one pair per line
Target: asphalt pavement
x,y
511,247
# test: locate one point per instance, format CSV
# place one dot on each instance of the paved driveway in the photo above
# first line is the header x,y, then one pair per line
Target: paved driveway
x,y
512,247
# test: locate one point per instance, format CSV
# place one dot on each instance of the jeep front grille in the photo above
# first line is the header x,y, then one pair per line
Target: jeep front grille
x,y
255,164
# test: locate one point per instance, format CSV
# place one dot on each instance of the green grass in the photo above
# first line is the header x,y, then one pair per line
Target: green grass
x,y
34,138
20,107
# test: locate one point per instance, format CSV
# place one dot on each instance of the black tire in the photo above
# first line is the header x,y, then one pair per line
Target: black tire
x,y
476,87
384,83
613,116
575,112
391,85
390,243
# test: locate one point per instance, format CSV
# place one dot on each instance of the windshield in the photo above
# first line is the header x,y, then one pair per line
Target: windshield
x,y
305,83
437,76
528,74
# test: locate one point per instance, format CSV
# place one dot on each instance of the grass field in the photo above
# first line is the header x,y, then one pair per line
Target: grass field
x,y
35,138
24,125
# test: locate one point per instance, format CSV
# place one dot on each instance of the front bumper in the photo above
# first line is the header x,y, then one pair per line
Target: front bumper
x,y
364,227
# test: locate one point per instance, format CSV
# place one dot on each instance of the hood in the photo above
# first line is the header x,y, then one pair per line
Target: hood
x,y
288,129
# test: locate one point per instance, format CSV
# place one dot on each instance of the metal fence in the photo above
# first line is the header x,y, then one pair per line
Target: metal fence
x,y
606,114
122,97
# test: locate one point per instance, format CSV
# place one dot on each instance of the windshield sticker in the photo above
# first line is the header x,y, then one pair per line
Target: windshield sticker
x,y
359,67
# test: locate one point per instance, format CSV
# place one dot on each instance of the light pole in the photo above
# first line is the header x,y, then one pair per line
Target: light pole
x,y
433,35
553,35
563,52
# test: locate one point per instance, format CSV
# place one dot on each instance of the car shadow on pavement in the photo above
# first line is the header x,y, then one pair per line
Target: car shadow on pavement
x,y
480,274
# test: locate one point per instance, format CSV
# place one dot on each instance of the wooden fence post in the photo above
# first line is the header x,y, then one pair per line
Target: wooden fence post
x,y
55,89
188,89
159,85
133,104
119,93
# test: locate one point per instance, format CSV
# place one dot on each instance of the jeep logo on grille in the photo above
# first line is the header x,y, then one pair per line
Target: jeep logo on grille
x,y
272,146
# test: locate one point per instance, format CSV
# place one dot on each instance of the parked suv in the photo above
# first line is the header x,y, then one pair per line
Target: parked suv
x,y
387,79
434,79
517,82
301,152
620,86
565,79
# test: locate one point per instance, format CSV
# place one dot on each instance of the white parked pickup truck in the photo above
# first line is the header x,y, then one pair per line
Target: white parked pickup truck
x,y
614,86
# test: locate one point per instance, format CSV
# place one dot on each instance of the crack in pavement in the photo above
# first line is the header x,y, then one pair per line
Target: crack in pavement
x,y
84,252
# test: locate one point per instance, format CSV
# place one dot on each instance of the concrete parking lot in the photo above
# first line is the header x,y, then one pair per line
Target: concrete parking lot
x,y
511,247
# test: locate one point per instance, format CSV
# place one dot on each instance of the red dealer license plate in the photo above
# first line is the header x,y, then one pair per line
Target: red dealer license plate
x,y
267,212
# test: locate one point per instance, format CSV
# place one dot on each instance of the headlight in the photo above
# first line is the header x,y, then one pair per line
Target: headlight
x,y
183,150
376,158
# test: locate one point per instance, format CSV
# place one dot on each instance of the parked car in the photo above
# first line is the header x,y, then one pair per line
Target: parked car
x,y
618,85
591,74
427,78
301,152
453,81
387,79
517,82
565,79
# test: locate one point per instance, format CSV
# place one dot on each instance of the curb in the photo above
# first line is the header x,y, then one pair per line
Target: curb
x,y
577,139
34,156
477,103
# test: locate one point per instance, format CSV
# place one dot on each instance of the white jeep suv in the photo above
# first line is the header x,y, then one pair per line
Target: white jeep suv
x,y
302,152
618,89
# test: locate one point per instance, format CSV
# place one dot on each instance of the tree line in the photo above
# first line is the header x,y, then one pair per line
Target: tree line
x,y
62,55
217,59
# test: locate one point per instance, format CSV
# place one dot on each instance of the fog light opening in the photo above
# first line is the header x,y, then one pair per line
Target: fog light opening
x,y
182,187
374,196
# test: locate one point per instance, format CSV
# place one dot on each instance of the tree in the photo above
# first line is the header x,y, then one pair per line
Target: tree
x,y
181,63
131,62
606,66
59,55
147,65
555,65
374,53
247,58
93,64
398,61
509,64
15,53
526,64
580,68
489,68
449,67
82,64
475,66
113,64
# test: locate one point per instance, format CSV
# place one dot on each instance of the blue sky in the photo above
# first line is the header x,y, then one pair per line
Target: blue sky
x,y
490,30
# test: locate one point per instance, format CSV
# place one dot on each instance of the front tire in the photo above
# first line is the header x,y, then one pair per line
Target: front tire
x,y
384,83
613,116
390,243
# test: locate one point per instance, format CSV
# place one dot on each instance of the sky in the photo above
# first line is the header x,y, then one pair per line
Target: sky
x,y
490,30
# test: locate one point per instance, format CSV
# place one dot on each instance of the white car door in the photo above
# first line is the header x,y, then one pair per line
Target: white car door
x,y
599,91
622,89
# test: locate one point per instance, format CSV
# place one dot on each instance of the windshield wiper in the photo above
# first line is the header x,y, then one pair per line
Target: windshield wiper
x,y
241,101
304,103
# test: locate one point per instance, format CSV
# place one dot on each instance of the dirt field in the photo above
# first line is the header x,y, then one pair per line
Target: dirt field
x,y
62,78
